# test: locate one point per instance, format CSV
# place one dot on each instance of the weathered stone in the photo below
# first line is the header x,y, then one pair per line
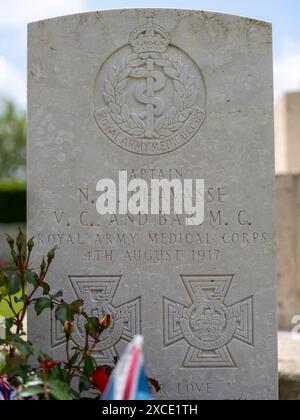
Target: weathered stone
x,y
182,93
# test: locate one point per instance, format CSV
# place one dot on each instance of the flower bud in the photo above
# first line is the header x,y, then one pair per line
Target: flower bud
x,y
14,257
20,241
51,255
105,321
10,241
30,245
43,265
68,328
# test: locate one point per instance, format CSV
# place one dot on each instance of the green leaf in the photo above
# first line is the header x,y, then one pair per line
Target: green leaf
x,y
58,295
3,292
46,288
31,278
58,374
85,384
42,357
21,373
9,322
33,388
18,299
42,304
89,365
74,359
92,327
13,283
77,306
25,348
31,392
59,390
34,381
64,313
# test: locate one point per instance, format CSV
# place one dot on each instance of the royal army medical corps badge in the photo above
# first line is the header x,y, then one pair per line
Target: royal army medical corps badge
x,y
150,96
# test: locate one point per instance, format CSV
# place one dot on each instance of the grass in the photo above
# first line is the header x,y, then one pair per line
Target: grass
x,y
12,185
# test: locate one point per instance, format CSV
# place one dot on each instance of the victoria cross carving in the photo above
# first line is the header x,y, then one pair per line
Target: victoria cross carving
x,y
98,293
209,324
150,95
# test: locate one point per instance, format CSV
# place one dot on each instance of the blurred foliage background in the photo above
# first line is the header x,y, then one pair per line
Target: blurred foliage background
x,y
12,164
12,142
12,177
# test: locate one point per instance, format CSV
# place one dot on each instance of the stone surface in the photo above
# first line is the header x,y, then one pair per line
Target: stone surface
x,y
287,133
199,105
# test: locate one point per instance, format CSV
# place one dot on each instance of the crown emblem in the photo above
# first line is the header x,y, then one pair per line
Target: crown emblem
x,y
149,38
149,102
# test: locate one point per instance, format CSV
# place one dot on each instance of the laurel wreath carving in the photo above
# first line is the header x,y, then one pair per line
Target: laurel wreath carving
x,y
185,96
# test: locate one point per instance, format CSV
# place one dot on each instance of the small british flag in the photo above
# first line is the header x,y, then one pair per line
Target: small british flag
x,y
5,388
129,381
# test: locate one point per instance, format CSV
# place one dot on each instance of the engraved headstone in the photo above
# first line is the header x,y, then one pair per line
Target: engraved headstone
x,y
160,94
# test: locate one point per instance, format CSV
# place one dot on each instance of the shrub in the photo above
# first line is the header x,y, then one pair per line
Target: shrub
x,y
46,379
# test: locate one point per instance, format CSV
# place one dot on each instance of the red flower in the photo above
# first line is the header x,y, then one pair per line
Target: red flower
x,y
100,379
47,365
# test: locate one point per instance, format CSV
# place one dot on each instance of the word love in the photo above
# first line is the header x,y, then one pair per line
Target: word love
x,y
162,196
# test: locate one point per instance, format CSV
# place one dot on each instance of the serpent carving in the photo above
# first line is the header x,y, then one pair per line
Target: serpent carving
x,y
154,81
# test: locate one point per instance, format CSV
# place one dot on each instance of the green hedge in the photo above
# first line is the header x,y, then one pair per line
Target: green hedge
x,y
12,201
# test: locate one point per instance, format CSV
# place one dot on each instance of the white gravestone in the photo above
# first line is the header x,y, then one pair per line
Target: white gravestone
x,y
161,94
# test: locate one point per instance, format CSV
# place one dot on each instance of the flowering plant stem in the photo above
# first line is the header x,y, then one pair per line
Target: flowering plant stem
x,y
46,379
